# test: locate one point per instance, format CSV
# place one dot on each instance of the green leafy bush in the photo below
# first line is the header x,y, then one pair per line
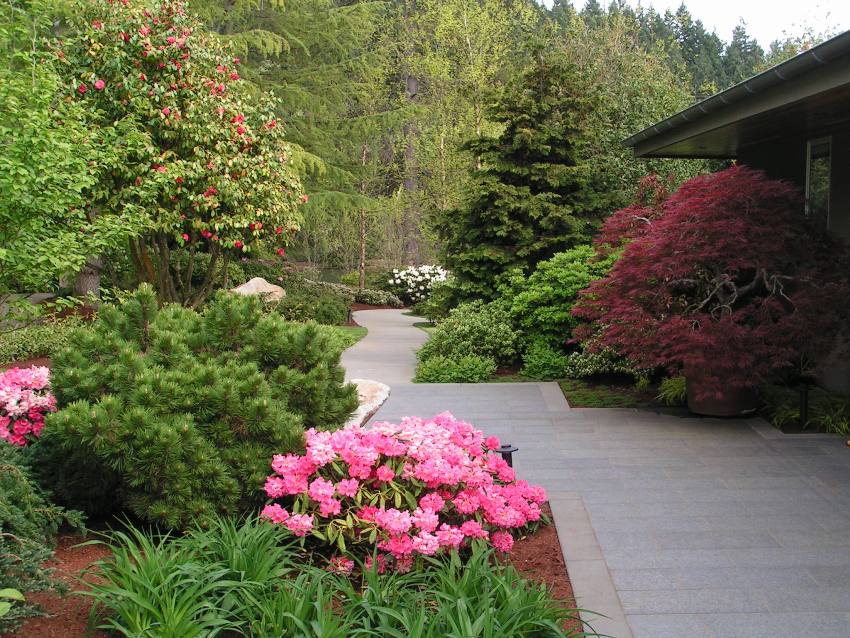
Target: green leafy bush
x,y
180,411
374,297
589,364
541,303
37,340
269,269
245,578
439,303
543,362
324,308
28,524
466,369
475,328
828,412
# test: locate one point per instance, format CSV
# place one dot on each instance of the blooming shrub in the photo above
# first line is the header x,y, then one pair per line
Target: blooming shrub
x,y
417,488
25,399
414,284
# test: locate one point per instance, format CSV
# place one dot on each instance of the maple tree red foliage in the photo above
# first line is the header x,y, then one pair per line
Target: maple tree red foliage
x,y
725,279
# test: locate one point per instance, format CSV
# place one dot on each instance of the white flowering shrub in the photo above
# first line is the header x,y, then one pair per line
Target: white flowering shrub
x,y
414,283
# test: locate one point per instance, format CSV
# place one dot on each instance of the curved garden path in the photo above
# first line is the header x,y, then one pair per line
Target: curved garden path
x,y
671,527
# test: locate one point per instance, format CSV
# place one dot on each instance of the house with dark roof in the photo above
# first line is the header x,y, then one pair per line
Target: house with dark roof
x,y
792,121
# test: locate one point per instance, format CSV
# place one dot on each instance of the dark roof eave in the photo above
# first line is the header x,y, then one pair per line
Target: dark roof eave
x,y
815,57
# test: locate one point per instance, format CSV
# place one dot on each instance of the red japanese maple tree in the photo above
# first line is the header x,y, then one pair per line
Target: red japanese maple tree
x,y
725,281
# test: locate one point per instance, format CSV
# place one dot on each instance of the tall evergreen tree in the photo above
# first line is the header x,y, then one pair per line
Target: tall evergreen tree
x,y
532,197
743,56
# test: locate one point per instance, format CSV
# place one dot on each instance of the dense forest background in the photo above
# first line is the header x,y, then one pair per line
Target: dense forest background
x,y
383,98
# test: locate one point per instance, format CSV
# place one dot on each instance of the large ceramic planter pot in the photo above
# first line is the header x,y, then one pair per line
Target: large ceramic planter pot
x,y
731,402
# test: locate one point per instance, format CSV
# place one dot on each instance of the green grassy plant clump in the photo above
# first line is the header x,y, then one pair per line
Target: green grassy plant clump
x,y
828,412
475,328
673,391
37,340
28,524
249,579
173,414
374,297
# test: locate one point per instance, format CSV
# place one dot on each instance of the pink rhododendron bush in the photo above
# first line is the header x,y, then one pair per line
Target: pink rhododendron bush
x,y
416,488
25,399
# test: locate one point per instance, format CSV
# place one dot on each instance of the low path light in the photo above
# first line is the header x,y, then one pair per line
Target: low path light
x,y
507,451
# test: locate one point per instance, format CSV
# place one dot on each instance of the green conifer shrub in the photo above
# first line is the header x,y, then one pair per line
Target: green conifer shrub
x,y
182,410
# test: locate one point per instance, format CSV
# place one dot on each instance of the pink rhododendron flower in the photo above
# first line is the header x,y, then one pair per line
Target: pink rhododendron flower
x,y
347,487
393,520
299,524
321,489
25,399
473,529
432,502
274,513
492,443
385,473
502,541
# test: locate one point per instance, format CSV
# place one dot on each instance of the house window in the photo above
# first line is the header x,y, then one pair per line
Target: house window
x,y
818,164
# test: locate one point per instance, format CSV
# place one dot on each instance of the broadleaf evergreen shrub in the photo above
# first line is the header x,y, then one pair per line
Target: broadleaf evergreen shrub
x,y
542,361
28,525
475,328
468,368
180,410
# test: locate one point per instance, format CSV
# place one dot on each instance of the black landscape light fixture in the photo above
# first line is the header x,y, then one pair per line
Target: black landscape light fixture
x,y
507,451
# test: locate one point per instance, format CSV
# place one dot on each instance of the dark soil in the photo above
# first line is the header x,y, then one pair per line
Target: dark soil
x,y
67,615
40,361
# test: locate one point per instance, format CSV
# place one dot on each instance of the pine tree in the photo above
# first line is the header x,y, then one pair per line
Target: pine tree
x,y
743,56
532,197
178,414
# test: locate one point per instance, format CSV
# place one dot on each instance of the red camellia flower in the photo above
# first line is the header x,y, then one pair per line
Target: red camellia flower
x,y
304,198
97,24
143,77
166,111
237,119
240,129
99,84
279,230
252,226
221,68
144,31
82,88
235,60
234,76
206,234
259,225
272,124
185,237
171,39
125,36
281,251
161,169
178,179
237,244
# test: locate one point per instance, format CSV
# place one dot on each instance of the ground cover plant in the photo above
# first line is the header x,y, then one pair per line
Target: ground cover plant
x,y
28,527
607,393
828,411
755,295
172,414
249,578
37,339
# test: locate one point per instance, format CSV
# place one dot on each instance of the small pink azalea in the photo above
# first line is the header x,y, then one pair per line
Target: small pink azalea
x,y
299,524
99,84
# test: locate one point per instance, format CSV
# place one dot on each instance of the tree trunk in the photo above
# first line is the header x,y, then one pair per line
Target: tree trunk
x,y
361,266
411,178
87,282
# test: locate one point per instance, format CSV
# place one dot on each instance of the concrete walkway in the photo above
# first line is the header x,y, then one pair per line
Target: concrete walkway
x,y
672,527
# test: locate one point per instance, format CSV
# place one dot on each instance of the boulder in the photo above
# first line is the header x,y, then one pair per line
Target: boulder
x,y
372,395
259,286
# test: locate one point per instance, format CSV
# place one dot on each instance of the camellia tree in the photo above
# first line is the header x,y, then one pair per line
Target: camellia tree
x,y
201,156
723,282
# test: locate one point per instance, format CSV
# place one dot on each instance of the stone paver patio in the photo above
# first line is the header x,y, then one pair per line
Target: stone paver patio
x,y
672,527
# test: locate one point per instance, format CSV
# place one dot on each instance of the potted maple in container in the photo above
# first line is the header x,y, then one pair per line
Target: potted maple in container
x,y
722,282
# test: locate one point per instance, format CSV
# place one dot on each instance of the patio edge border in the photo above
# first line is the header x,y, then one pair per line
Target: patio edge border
x,y
588,572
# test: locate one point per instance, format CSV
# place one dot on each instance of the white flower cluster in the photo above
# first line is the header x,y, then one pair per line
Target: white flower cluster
x,y
418,280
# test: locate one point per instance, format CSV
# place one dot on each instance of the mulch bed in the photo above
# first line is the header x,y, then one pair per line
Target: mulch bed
x,y
537,557
68,615
40,361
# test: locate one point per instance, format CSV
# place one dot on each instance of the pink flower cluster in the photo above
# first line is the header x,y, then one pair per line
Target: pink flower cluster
x,y
414,488
25,398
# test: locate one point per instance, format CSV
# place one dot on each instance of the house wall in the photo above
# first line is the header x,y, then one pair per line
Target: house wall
x,y
786,159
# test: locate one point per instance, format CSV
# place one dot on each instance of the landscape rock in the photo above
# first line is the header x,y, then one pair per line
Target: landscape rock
x,y
372,395
259,286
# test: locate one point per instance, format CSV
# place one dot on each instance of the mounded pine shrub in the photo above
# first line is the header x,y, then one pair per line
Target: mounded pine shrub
x,y
179,411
